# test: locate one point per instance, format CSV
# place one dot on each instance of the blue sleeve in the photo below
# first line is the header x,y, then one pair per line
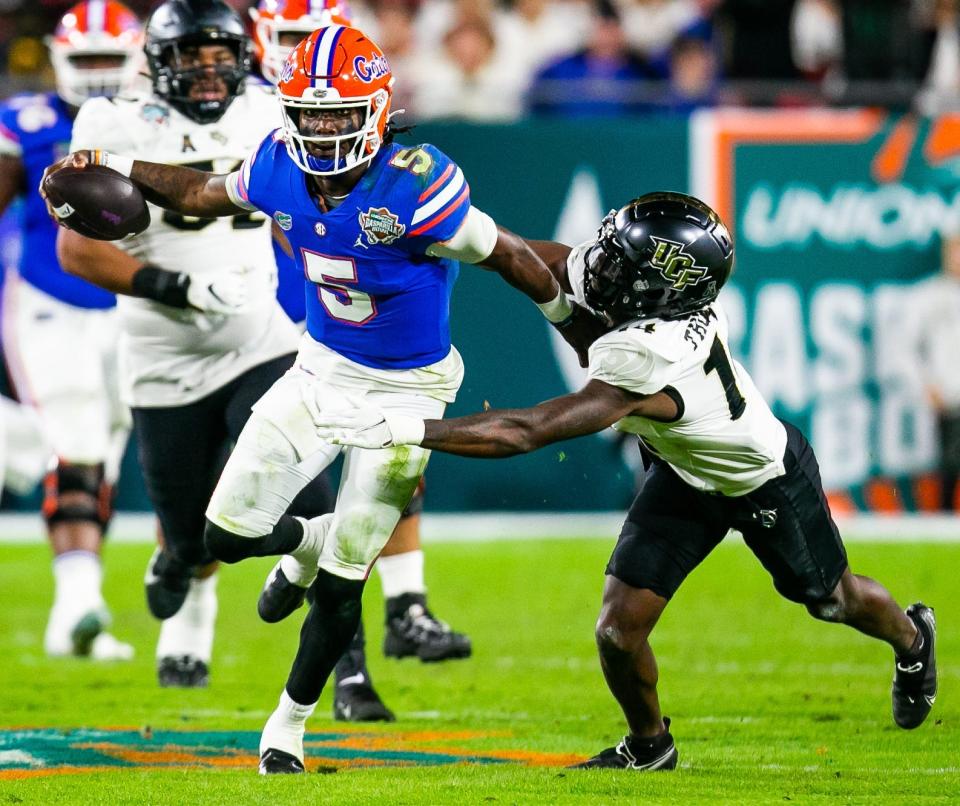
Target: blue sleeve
x,y
442,202
253,176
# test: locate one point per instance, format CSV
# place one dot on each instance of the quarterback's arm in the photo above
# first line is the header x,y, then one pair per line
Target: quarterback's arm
x,y
554,255
174,187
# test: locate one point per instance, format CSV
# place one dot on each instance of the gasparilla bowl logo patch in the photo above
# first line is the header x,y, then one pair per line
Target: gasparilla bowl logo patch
x,y
381,226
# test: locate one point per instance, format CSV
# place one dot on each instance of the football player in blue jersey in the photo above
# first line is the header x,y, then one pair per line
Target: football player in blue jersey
x,y
378,229
95,51
410,627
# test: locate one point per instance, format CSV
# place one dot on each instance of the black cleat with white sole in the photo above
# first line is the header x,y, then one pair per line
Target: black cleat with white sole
x,y
279,597
167,584
182,671
413,631
915,676
659,753
278,762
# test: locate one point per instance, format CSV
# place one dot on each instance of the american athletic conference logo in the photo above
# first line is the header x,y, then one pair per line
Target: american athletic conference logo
x,y
677,266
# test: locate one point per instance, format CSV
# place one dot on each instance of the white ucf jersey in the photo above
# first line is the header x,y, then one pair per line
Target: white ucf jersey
x,y
168,356
726,439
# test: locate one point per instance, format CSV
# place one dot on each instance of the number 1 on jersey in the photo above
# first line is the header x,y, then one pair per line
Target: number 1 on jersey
x,y
342,302
720,362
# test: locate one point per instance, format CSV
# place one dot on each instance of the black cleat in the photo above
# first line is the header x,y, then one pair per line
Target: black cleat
x,y
359,702
659,753
277,762
413,630
167,582
182,671
279,597
915,676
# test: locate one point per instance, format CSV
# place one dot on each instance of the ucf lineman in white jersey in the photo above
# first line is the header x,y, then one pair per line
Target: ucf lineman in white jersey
x,y
716,459
203,336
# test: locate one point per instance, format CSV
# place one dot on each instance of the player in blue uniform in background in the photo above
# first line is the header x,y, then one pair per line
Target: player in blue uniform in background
x,y
59,332
411,629
378,229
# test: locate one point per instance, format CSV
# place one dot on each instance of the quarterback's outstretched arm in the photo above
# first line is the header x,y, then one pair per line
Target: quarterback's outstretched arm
x,y
174,187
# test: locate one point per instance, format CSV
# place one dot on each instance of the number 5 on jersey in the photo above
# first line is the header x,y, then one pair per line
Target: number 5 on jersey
x,y
332,274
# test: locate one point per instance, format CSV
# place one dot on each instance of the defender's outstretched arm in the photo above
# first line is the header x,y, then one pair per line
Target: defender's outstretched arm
x,y
507,432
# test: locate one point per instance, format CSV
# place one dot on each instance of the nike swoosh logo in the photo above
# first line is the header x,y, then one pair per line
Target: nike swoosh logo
x,y
912,669
354,678
930,700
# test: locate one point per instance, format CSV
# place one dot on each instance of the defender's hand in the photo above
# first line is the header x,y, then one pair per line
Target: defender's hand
x,y
77,159
224,292
368,428
581,329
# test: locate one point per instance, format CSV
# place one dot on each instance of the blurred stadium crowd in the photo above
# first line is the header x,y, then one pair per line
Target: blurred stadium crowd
x,y
487,60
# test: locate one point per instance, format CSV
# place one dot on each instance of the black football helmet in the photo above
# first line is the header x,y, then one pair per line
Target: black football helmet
x,y
662,255
177,24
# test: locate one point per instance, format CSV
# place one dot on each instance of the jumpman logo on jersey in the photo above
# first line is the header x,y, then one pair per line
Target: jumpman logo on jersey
x,y
360,242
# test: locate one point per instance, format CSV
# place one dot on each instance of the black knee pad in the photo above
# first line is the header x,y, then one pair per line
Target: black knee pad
x,y
224,545
415,507
89,497
329,589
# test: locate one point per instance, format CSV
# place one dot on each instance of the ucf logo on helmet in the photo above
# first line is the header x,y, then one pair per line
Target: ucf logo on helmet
x,y
370,69
674,264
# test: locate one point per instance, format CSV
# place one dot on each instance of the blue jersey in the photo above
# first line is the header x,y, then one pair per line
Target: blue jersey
x,y
372,293
290,285
36,130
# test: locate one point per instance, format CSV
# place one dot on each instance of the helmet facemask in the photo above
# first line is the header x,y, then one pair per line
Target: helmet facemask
x,y
349,149
174,82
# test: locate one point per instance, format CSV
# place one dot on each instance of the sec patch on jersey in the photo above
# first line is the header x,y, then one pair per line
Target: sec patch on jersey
x,y
97,202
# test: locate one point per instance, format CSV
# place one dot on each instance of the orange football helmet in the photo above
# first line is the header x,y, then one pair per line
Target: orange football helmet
x,y
272,19
335,69
89,35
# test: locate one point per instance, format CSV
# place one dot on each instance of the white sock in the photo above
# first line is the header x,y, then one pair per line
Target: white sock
x,y
402,573
190,631
300,565
77,577
285,727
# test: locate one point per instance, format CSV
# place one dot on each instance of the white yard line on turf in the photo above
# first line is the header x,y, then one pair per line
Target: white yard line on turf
x,y
485,526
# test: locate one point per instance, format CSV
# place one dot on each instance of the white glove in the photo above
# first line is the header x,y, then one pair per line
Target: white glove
x,y
225,292
367,427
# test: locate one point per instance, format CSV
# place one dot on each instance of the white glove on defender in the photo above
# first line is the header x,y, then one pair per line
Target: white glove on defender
x,y
366,427
225,292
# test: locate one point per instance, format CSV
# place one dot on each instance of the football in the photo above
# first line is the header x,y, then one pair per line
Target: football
x,y
97,202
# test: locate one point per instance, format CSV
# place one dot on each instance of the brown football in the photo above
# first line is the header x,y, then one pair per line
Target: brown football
x,y
97,202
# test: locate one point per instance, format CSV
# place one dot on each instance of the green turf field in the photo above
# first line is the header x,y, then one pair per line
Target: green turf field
x,y
767,705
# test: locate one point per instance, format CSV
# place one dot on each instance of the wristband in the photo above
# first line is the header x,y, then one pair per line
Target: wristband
x,y
558,309
405,430
122,165
160,285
